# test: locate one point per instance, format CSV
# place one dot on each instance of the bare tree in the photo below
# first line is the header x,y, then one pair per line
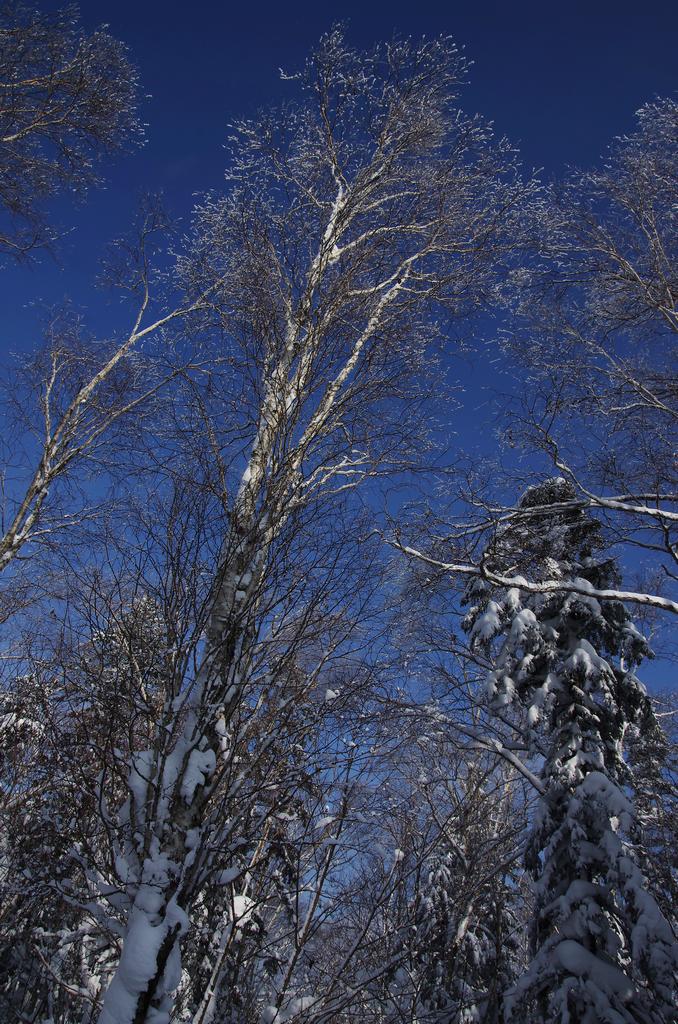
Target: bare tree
x,y
354,218
66,98
600,346
594,336
65,402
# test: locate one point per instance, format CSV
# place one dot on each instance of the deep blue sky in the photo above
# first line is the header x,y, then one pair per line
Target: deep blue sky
x,y
559,79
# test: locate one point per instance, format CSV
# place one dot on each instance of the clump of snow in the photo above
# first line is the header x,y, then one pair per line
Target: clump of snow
x,y
488,624
294,1007
579,961
242,908
200,767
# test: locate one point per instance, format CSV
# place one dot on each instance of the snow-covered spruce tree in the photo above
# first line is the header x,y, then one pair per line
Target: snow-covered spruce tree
x,y
444,945
564,665
653,758
464,946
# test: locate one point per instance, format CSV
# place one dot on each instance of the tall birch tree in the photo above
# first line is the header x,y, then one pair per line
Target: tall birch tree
x,y
356,218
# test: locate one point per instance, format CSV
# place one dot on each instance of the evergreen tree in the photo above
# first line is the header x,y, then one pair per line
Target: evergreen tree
x,y
564,666
463,937
653,759
464,948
